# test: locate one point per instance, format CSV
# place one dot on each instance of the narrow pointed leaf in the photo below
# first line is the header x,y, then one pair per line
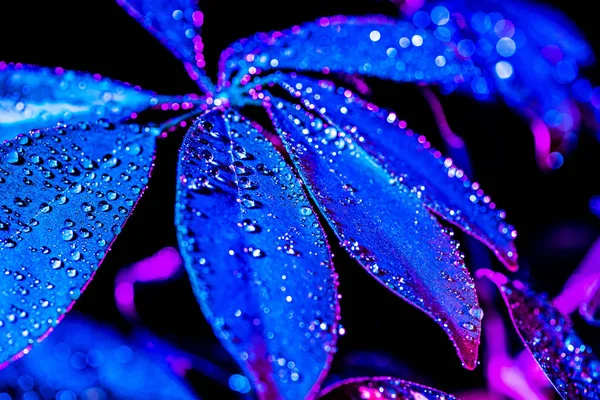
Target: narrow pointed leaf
x,y
66,193
34,97
87,360
177,25
383,388
384,226
444,187
571,366
256,255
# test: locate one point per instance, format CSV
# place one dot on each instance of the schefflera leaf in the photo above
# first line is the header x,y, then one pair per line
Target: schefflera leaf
x,y
371,46
384,226
381,388
444,187
256,255
177,25
65,194
33,97
570,365
88,360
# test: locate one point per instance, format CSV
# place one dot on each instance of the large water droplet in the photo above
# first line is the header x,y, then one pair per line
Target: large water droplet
x,y
67,234
305,210
476,312
14,158
56,263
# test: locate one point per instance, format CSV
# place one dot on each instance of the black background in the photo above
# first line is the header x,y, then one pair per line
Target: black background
x,y
385,335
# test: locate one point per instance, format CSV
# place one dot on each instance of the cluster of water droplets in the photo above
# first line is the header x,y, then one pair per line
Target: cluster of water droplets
x,y
36,96
382,225
410,160
384,388
256,253
85,360
65,194
387,48
570,364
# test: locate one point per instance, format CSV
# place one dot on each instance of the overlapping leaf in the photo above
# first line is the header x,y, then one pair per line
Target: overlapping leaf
x,y
176,23
66,193
256,255
384,388
34,97
528,53
87,360
383,225
371,46
444,187
458,45
571,366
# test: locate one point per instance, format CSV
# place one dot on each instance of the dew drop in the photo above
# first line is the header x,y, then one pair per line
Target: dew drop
x,y
262,168
45,208
133,148
67,234
55,263
258,253
110,161
305,210
72,272
468,326
14,158
250,226
476,312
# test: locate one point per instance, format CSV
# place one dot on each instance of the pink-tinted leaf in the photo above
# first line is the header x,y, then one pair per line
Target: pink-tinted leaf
x,y
571,366
444,187
35,97
256,255
176,23
582,288
160,266
383,225
381,388
66,193
590,309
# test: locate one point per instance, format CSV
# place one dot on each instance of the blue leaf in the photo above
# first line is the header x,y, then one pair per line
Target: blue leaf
x,y
443,186
383,388
256,255
372,46
86,360
383,225
571,366
530,54
66,193
176,23
479,53
35,97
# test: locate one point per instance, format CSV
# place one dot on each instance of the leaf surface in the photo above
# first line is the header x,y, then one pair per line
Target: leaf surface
x,y
33,97
384,388
372,46
66,193
383,225
569,364
177,25
457,45
256,255
441,185
86,359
